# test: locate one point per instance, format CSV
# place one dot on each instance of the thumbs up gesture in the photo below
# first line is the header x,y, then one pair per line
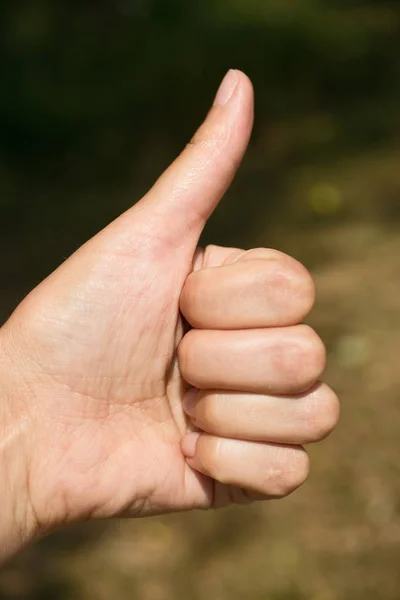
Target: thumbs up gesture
x,y
147,375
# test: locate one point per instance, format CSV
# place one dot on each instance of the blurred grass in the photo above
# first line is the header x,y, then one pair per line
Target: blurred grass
x,y
97,98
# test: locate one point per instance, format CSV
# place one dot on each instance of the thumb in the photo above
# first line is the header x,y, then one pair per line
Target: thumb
x,y
184,197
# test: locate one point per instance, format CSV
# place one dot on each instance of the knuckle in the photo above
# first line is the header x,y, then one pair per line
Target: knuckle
x,y
294,286
198,141
311,354
292,472
301,287
212,137
322,414
291,280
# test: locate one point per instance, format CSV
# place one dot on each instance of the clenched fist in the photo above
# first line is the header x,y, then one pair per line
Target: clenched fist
x,y
146,375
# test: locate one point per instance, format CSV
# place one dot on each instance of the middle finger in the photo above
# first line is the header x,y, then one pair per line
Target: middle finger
x,y
268,361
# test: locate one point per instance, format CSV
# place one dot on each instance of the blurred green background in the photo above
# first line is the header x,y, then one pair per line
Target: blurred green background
x,y
97,97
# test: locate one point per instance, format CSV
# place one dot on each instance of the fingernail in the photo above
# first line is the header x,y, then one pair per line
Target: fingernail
x,y
189,400
226,88
189,443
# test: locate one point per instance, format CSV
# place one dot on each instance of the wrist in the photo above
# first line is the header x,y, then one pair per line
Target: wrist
x,y
18,525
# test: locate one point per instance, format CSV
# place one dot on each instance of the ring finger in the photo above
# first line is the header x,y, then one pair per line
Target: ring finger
x,y
298,420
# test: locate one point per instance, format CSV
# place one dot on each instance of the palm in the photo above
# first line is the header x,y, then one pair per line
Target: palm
x,y
116,397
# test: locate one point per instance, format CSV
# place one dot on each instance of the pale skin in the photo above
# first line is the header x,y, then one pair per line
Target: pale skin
x,y
115,405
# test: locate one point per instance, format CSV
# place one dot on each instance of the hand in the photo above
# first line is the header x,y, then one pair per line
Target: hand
x,y
92,382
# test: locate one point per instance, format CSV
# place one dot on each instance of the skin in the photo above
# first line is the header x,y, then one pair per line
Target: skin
x,y
96,361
